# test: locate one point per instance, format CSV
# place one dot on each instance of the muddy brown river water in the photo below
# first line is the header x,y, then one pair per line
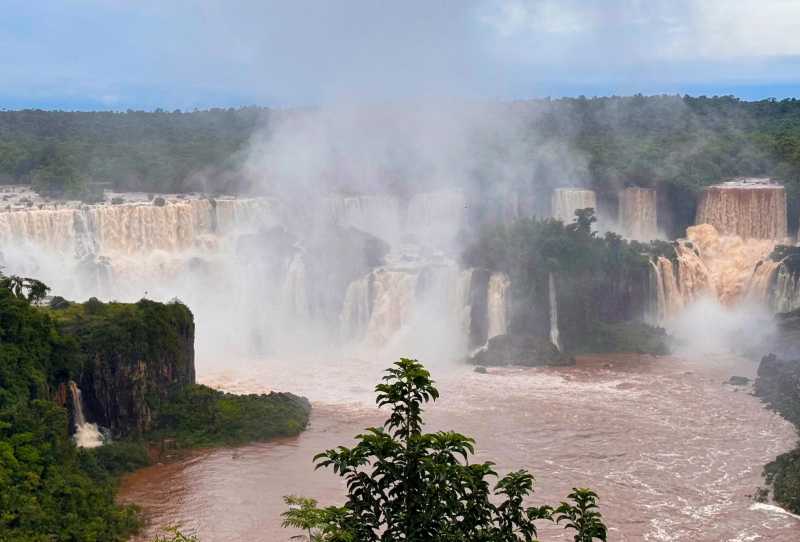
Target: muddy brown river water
x,y
673,452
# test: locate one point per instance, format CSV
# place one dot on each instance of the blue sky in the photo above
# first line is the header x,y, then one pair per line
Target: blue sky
x,y
143,54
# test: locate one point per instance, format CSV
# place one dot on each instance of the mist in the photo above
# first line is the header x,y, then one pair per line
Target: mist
x,y
708,328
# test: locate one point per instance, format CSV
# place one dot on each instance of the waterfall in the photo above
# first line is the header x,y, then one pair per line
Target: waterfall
x,y
497,304
785,296
51,229
748,208
565,201
408,308
637,213
251,287
134,227
393,298
356,309
555,336
727,268
658,302
673,297
295,289
763,277
694,279
87,435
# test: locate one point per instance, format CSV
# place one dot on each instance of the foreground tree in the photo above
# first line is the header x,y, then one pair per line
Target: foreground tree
x,y
403,484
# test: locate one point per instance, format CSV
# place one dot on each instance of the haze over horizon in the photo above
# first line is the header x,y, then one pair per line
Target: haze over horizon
x,y
120,54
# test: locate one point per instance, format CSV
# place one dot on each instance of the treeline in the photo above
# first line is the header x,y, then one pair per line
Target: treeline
x,y
678,143
65,153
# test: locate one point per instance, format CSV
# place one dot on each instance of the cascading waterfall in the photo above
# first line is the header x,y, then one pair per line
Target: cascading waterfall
x,y
747,208
555,335
785,295
565,201
728,268
255,288
87,435
356,310
497,304
638,213
133,228
762,279
727,254
392,304
296,301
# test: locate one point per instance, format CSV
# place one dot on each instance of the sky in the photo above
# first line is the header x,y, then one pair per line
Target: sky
x,y
182,54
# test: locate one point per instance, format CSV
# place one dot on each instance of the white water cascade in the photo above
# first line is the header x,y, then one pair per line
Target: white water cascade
x,y
726,256
261,274
497,304
747,208
785,296
638,213
87,435
555,335
565,201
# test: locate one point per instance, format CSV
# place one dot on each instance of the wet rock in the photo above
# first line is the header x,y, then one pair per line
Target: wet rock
x,y
134,355
778,385
738,381
524,350
480,369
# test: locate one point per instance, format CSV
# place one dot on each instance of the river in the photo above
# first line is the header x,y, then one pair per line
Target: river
x,y
673,452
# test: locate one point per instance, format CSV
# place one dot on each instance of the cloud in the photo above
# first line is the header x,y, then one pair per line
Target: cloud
x,y
715,30
185,54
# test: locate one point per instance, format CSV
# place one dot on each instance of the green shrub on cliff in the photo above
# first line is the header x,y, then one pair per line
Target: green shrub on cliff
x,y
407,485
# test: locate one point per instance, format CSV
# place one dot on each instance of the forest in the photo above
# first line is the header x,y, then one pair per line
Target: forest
x,y
678,143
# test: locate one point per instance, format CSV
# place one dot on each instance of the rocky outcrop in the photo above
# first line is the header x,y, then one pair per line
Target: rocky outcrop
x,y
525,350
134,357
778,385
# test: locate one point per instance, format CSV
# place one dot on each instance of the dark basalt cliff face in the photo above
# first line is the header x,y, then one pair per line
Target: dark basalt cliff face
x,y
524,350
135,355
778,385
